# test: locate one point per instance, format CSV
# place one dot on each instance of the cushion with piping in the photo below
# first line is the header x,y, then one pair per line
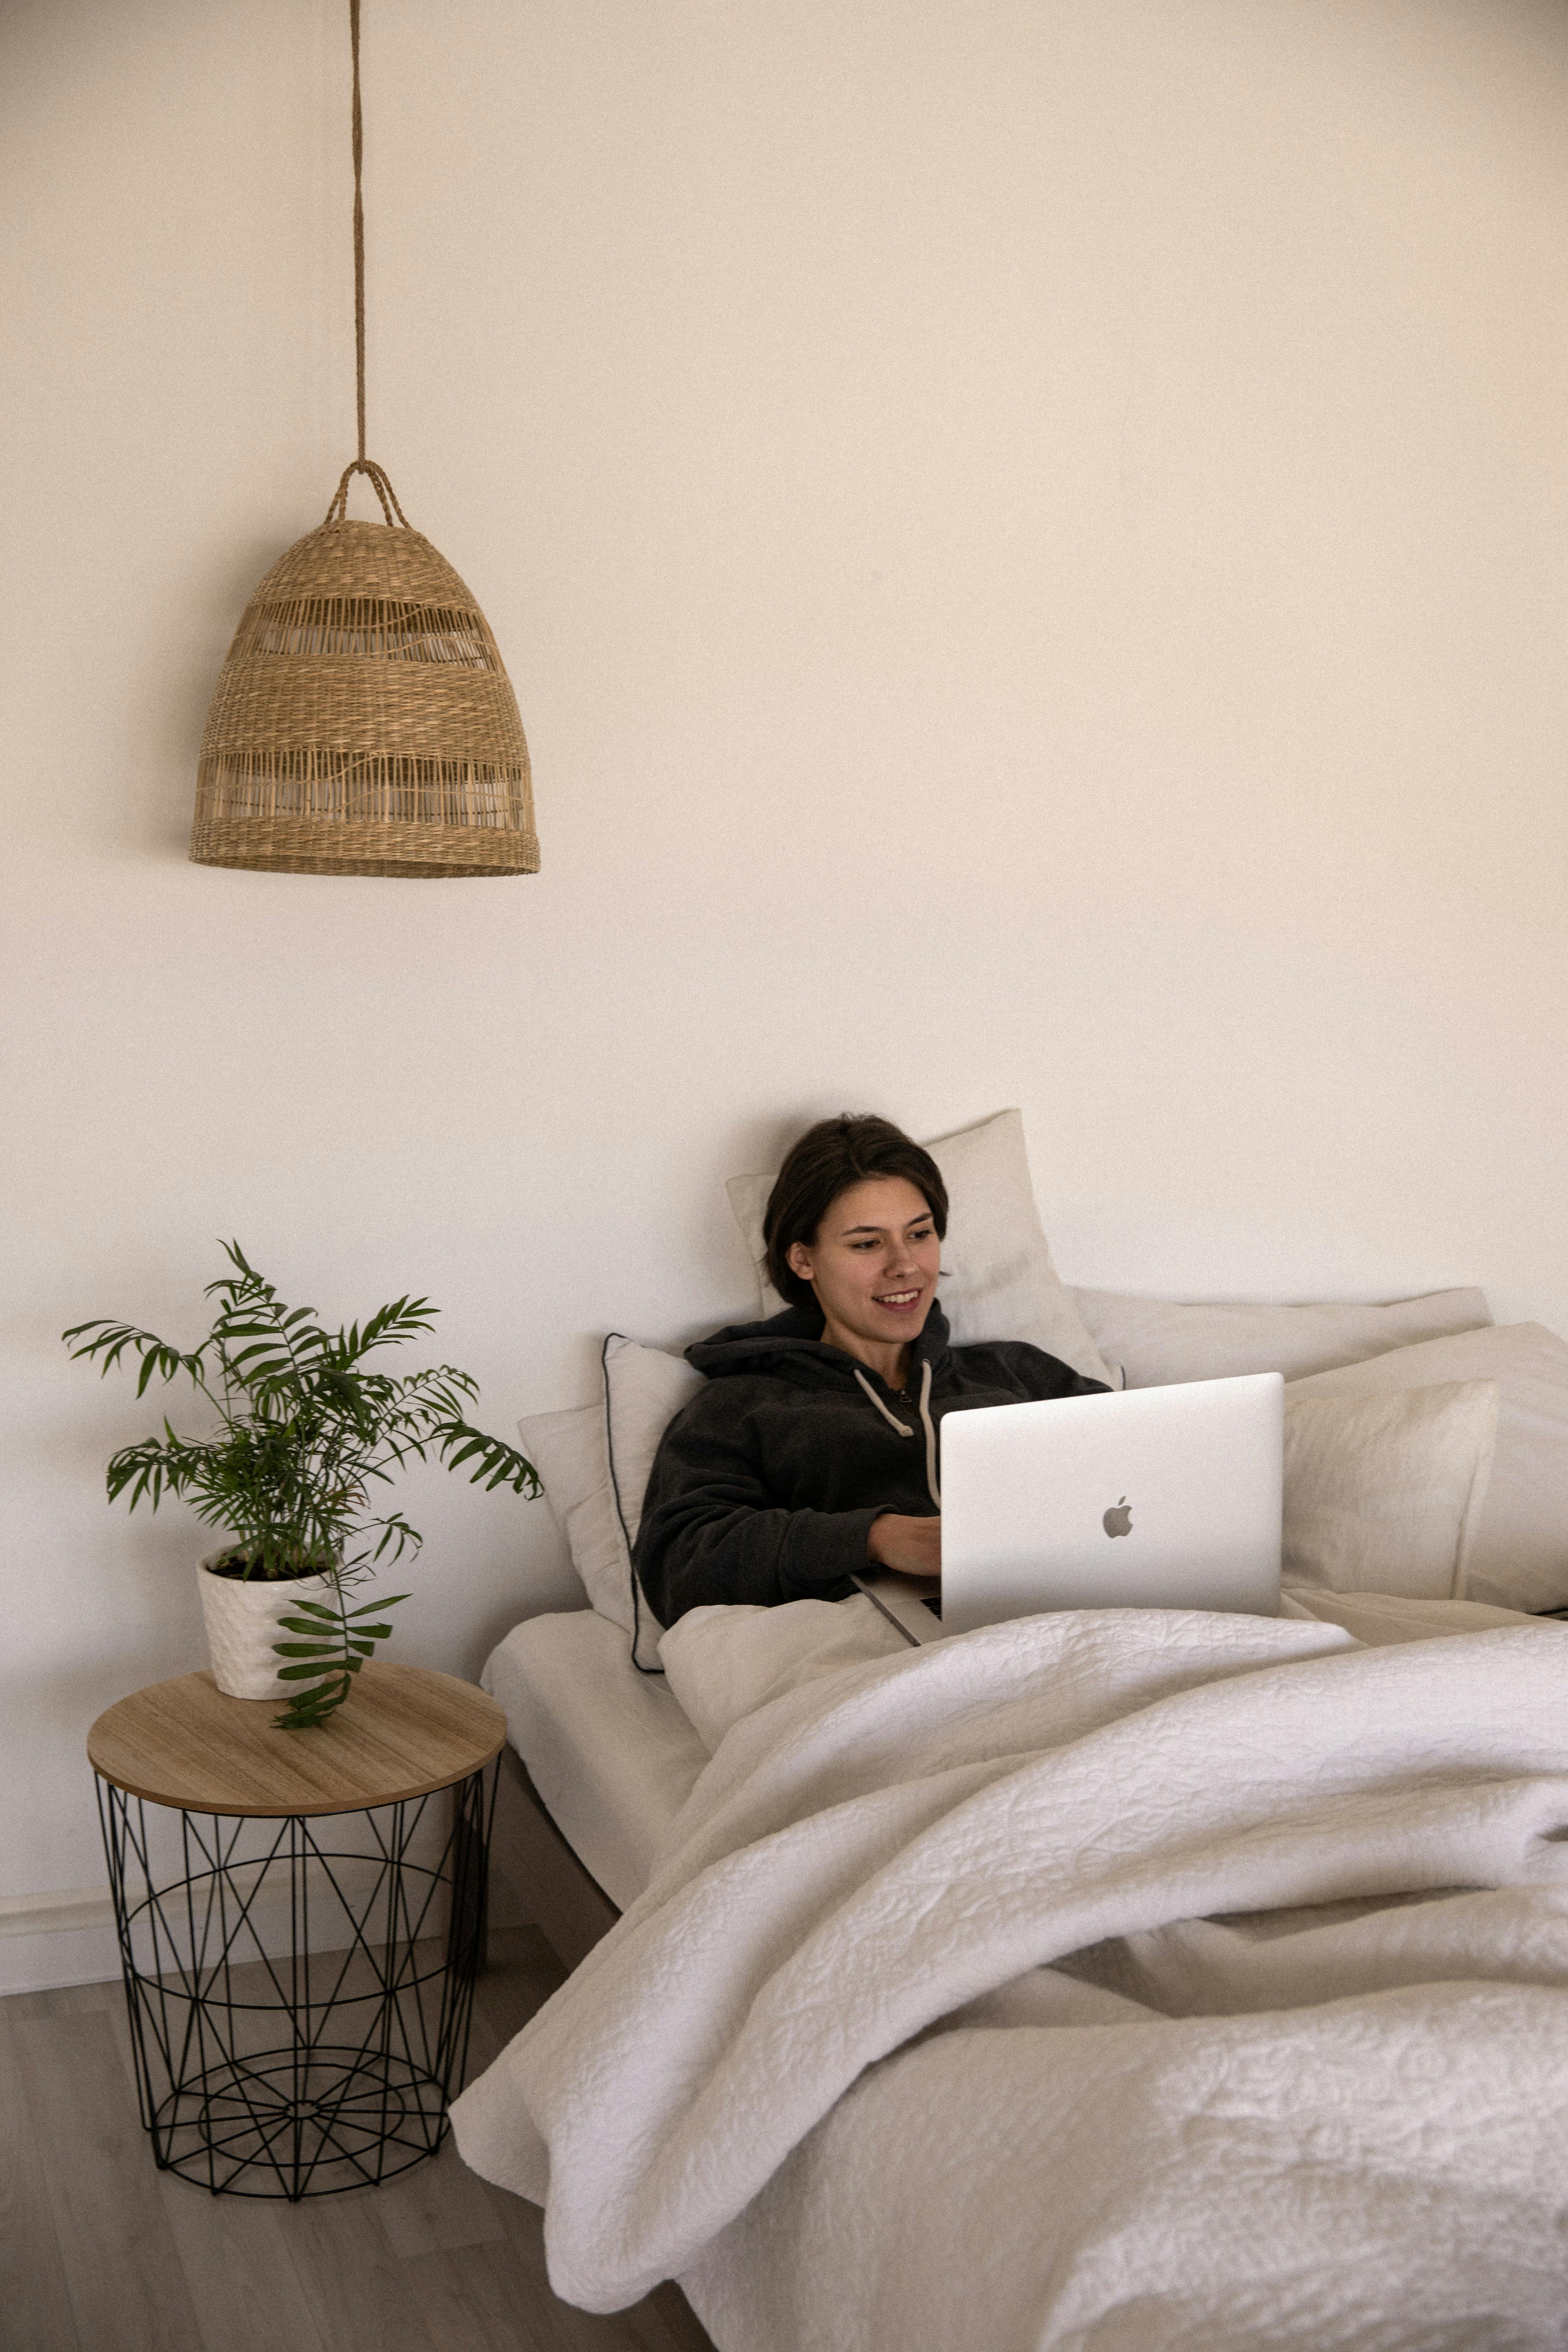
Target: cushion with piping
x,y
593,1462
1158,1340
646,1388
997,1279
1384,1492
1519,1559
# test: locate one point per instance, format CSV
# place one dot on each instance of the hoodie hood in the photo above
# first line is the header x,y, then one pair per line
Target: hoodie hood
x,y
790,1346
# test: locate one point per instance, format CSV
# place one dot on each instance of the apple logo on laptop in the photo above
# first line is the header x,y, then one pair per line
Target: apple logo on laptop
x,y
1118,1520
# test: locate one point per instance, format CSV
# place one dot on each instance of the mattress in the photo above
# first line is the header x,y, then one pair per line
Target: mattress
x,y
608,1749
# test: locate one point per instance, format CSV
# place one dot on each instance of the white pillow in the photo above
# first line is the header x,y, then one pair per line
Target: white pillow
x,y
567,1449
646,1388
593,1462
997,1279
1377,1619
1519,1559
1157,1340
1384,1494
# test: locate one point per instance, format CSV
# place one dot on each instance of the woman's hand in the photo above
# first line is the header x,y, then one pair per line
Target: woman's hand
x,y
909,1546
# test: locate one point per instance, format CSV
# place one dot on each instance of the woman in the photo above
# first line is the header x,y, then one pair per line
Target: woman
x,y
809,1455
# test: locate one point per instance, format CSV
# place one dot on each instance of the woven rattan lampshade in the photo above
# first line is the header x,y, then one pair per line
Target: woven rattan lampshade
x,y
363,722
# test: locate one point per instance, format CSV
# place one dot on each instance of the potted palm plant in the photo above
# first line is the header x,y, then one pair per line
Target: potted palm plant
x,y
309,1431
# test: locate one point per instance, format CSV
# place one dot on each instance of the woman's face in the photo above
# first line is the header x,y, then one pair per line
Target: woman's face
x,y
873,1263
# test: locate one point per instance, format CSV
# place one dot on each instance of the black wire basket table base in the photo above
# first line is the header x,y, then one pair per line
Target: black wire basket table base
x,y
300,1990
334,2122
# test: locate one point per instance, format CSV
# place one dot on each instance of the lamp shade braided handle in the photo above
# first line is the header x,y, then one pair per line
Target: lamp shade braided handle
x,y
339,509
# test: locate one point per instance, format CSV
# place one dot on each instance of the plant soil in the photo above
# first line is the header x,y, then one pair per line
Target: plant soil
x,y
239,1565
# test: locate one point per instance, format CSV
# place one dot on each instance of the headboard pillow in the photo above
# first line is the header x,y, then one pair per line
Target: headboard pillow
x,y
1379,1619
997,1279
593,1462
1519,1559
1384,1492
1158,1340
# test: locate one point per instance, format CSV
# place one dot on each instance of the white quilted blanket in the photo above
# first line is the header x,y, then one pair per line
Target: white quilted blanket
x,y
1093,1981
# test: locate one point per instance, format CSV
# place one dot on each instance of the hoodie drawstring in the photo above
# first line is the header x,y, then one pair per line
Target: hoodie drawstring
x,y
890,1418
931,1433
903,1429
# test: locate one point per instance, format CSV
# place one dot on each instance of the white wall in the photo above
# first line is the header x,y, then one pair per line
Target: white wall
x,y
1030,539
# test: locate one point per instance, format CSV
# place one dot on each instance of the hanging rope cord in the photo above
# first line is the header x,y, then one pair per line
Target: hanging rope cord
x,y
338,511
359,231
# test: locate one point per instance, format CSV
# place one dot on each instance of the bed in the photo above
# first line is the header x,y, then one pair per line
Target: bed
x,y
599,1761
1133,1979
1229,2064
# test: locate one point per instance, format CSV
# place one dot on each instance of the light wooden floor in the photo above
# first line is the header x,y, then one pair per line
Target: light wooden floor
x,y
99,2251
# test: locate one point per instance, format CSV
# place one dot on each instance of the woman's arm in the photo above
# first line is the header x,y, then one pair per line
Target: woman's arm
x,y
711,1532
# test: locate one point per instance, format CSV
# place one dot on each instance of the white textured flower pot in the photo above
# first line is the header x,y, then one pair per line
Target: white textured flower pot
x,y
241,1615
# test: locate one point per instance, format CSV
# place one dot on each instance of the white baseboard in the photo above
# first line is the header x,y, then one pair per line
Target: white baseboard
x,y
49,1959
67,1937
47,1914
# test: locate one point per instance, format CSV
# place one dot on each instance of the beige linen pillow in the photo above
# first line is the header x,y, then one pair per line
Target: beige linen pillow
x,y
646,1388
1519,1559
1377,1618
1383,1493
997,1280
567,1449
593,1462
1158,1340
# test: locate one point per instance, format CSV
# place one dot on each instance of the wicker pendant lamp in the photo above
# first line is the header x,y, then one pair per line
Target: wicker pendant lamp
x,y
364,721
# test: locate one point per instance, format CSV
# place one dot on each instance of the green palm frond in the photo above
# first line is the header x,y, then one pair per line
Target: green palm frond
x,y
158,1358
495,1463
387,1328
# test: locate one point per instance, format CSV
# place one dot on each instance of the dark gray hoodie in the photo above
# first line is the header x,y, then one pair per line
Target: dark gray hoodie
x,y
764,1487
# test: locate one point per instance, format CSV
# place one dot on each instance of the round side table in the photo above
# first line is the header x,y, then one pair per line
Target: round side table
x,y
301,1917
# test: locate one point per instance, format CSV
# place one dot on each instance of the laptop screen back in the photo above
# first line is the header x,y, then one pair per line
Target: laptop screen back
x,y
1144,1499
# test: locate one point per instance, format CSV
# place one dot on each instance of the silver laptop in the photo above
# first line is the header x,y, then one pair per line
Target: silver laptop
x,y
1144,1499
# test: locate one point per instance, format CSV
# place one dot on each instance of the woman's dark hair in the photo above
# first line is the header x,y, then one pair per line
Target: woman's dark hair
x,y
829,1158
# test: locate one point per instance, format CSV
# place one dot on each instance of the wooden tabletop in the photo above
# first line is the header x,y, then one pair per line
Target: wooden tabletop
x,y
402,1732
